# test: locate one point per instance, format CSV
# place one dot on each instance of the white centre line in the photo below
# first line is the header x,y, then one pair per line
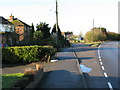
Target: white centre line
x,y
105,74
101,63
110,86
103,68
100,59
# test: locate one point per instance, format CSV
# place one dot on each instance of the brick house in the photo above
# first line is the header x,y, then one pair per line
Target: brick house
x,y
6,31
21,28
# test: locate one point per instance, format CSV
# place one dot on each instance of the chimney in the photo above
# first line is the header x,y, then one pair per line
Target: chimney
x,y
11,18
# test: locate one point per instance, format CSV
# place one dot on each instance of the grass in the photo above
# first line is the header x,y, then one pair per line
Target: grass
x,y
9,80
94,44
78,41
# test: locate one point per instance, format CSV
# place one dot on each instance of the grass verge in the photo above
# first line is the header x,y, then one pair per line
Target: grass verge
x,y
94,44
9,80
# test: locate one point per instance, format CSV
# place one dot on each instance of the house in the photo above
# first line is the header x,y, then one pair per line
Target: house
x,y
21,28
69,36
5,25
6,31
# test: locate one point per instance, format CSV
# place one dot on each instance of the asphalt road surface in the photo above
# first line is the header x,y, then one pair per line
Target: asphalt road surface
x,y
109,57
101,64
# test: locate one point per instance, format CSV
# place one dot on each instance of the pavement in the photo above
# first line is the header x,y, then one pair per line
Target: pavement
x,y
65,73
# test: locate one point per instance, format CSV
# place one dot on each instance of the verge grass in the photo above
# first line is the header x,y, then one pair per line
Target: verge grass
x,y
9,80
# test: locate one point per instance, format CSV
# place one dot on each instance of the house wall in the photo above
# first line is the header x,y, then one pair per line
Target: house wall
x,y
6,28
20,30
2,39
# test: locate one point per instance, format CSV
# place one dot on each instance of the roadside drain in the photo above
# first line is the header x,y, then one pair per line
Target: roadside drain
x,y
85,69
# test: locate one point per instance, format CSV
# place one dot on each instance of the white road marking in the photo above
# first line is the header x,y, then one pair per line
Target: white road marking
x,y
54,60
103,68
110,86
100,59
74,55
98,53
105,74
101,63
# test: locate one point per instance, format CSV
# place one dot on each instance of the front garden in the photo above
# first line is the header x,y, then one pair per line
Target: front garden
x,y
27,54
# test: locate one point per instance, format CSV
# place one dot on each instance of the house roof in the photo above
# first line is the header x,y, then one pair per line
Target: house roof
x,y
18,22
4,21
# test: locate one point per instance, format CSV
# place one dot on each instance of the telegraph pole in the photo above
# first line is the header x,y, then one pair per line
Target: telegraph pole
x,y
57,22
100,29
93,27
56,15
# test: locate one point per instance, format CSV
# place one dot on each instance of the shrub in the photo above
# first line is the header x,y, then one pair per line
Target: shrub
x,y
26,54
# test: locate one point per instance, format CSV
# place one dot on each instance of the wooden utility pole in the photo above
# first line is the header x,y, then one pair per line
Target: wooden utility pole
x,y
93,27
57,22
56,15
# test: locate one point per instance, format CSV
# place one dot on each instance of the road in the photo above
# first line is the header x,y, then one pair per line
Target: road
x,y
102,64
109,57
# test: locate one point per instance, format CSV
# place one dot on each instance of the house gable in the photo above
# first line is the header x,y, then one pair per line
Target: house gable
x,y
21,28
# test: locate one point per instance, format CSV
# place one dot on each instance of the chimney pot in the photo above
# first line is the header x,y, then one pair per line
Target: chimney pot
x,y
11,18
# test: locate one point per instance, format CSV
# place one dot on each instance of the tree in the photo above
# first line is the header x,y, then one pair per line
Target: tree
x,y
38,37
61,41
113,36
96,34
54,31
32,30
44,28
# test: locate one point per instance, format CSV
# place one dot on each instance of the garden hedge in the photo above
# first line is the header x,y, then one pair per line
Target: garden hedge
x,y
26,54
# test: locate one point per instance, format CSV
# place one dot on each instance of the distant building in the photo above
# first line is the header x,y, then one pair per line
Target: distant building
x,y
80,38
6,30
21,28
69,36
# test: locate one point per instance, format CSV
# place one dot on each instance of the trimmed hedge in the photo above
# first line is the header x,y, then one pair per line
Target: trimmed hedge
x,y
26,54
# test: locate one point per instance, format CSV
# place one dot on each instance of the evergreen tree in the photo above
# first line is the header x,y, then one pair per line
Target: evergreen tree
x,y
44,28
61,41
54,31
32,30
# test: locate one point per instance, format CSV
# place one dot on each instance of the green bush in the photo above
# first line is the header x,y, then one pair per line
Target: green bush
x,y
26,54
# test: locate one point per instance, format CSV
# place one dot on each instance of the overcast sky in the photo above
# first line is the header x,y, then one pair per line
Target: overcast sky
x,y
74,15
